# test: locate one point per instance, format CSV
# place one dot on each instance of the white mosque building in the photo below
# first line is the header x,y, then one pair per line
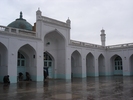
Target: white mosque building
x,y
27,48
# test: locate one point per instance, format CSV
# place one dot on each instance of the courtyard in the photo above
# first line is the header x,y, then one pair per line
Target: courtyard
x,y
91,88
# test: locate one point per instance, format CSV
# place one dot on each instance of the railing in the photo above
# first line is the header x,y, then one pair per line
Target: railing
x,y
84,44
120,46
72,42
17,31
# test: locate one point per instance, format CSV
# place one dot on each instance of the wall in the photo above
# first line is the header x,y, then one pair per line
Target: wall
x,y
13,45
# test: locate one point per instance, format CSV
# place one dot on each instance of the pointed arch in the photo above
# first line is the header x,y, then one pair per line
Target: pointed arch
x,y
26,60
116,65
3,61
55,31
90,64
55,43
55,40
76,63
101,65
131,64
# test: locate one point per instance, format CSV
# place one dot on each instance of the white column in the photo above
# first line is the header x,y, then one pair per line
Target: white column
x,y
125,63
68,64
83,63
96,67
38,23
39,65
12,61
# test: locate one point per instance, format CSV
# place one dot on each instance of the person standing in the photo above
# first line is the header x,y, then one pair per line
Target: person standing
x,y
6,80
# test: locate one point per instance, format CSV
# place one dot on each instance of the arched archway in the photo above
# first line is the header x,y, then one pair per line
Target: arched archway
x,y
117,65
26,61
21,63
76,64
54,43
49,64
90,67
3,61
131,64
101,65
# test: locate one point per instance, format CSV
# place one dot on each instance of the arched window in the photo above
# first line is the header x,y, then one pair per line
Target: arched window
x,y
118,63
46,56
48,64
47,60
21,59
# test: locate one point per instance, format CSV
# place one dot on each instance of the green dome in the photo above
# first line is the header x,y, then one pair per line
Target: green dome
x,y
21,23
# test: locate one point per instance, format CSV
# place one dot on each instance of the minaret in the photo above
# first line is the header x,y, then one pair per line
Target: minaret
x,y
38,23
38,14
103,37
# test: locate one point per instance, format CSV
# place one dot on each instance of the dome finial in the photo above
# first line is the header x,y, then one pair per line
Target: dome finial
x,y
21,15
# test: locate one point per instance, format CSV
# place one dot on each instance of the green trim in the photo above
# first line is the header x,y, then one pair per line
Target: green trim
x,y
90,74
62,76
76,75
68,76
39,78
1,78
102,74
13,79
126,74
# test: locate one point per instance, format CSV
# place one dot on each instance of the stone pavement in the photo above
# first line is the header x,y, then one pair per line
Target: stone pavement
x,y
91,88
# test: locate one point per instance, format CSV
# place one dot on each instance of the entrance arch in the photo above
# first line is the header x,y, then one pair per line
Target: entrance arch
x,y
117,65
101,65
49,64
76,64
21,64
90,70
54,43
3,61
131,64
26,61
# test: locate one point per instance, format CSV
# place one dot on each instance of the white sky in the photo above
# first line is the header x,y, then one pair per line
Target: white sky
x,y
87,17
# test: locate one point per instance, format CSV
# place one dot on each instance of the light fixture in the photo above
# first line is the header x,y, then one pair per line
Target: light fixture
x,y
48,43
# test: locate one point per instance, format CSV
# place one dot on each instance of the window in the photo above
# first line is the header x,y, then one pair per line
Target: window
x,y
21,59
47,60
47,57
45,63
118,63
50,63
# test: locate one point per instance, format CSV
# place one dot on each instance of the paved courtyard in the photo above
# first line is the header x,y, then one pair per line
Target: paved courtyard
x,y
102,88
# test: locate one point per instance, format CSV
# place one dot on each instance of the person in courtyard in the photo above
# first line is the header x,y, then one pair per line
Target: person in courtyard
x,y
28,77
20,77
6,80
45,73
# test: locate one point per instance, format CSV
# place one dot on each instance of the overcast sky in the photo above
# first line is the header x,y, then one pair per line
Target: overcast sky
x,y
87,17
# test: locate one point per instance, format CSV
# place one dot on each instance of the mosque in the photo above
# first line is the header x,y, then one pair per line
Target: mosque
x,y
27,48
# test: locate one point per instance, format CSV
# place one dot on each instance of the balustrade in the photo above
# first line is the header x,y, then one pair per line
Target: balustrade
x,y
72,42
11,30
78,43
